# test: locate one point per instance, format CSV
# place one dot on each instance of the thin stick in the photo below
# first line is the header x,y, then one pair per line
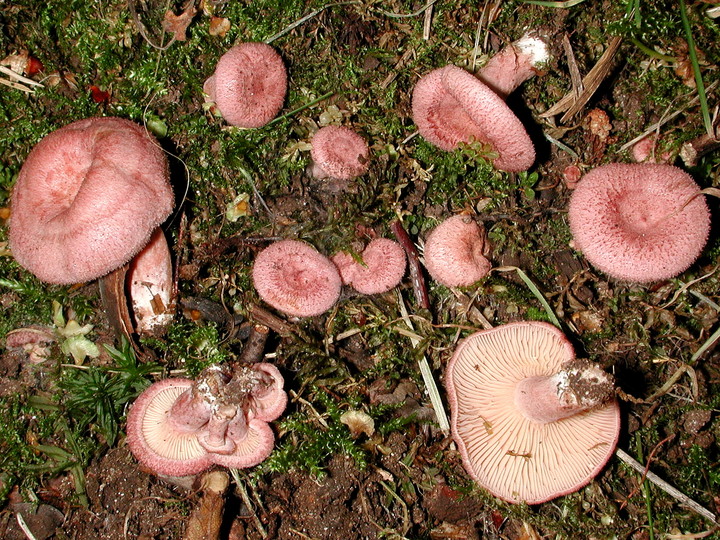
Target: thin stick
x,y
667,488
13,75
306,18
416,272
427,23
427,376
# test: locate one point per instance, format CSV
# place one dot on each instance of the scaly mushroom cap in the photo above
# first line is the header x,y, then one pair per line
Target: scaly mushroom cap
x,y
296,279
382,268
514,457
639,222
453,252
450,106
338,152
249,85
87,199
158,443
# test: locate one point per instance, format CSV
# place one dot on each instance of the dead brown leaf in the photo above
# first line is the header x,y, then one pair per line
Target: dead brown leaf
x,y
177,25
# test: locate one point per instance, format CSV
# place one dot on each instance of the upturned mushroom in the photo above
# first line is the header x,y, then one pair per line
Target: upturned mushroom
x,y
381,268
530,420
295,278
338,152
451,106
455,250
639,222
179,427
249,85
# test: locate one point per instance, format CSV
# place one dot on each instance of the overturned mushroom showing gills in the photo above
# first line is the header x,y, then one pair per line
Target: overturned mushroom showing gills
x,y
249,85
531,422
338,152
454,252
451,106
382,267
295,278
87,200
179,427
639,222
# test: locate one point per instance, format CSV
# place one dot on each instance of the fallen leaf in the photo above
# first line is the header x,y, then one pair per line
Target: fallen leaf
x,y
177,25
99,96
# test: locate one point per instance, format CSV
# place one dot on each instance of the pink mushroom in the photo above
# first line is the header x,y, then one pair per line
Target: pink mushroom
x,y
178,427
158,439
382,267
249,85
451,106
150,282
639,222
338,152
531,422
296,279
87,199
455,252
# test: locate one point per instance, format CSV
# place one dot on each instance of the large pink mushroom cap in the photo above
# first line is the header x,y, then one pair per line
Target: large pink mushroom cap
x,y
531,422
249,85
87,199
639,222
451,106
338,152
295,278
382,268
454,252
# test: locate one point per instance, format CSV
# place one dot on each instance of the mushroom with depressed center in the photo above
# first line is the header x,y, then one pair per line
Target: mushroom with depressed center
x,y
338,152
179,427
531,422
451,106
382,268
87,199
639,222
248,85
455,250
295,278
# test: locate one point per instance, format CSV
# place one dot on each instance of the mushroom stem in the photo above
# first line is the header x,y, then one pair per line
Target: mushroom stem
x,y
579,387
190,412
515,64
214,438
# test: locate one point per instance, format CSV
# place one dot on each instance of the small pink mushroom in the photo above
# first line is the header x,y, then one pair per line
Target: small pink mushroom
x,y
382,268
249,85
87,199
531,422
639,222
338,152
455,252
451,106
296,279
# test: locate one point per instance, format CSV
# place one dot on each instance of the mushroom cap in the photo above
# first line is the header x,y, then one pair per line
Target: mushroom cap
x,y
252,448
338,152
269,400
453,252
629,221
155,441
87,199
249,85
295,278
513,457
451,106
382,269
